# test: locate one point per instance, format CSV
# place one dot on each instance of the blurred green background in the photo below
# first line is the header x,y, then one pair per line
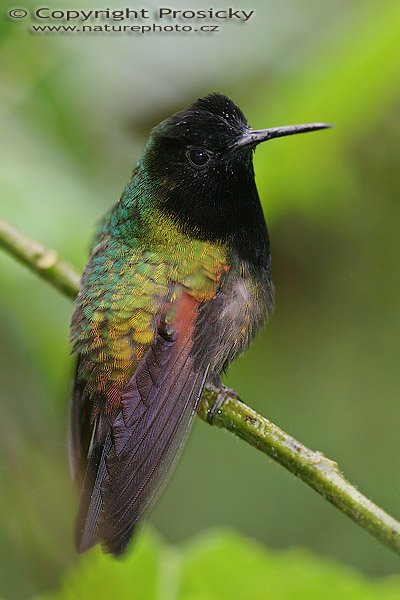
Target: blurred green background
x,y
75,113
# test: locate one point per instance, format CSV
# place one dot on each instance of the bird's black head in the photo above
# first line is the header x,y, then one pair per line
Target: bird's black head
x,y
192,150
200,161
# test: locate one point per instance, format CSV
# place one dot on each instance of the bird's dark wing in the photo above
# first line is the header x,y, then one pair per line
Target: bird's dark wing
x,y
91,501
143,361
131,455
81,428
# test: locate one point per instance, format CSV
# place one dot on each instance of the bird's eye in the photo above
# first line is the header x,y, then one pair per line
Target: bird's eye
x,y
198,157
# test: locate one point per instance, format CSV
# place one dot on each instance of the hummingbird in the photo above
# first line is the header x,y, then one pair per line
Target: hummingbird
x,y
177,284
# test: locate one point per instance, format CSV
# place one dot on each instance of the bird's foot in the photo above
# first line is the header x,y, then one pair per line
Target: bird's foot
x,y
223,394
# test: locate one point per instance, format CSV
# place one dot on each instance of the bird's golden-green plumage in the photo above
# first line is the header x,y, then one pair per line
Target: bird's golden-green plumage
x,y
125,285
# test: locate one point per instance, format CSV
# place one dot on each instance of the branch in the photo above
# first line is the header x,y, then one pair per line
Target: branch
x,y
46,263
315,469
223,408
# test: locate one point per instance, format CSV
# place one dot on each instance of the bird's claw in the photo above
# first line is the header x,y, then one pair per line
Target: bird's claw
x,y
223,394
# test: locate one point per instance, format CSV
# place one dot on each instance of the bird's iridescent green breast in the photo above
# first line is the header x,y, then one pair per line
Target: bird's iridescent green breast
x,y
123,289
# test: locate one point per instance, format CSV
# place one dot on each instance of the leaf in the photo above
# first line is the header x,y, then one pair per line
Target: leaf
x,y
216,566
225,565
99,575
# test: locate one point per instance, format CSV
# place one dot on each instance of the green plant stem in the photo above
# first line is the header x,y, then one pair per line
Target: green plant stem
x,y
223,408
46,263
315,469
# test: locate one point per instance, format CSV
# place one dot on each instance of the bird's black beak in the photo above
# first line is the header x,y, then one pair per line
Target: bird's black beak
x,y
251,138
